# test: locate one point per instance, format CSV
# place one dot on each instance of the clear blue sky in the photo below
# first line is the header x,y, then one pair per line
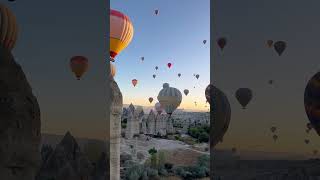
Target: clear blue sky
x,y
175,36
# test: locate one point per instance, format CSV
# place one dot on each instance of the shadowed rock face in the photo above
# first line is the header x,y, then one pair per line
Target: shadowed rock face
x,y
115,129
19,122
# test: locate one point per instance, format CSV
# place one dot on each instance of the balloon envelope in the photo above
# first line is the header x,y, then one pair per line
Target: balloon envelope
x,y
269,43
169,65
121,32
79,65
209,90
312,102
150,99
8,28
221,115
222,42
186,92
169,98
134,82
280,46
244,96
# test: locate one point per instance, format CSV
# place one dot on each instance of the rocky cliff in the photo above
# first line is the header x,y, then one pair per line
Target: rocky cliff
x,y
19,122
115,129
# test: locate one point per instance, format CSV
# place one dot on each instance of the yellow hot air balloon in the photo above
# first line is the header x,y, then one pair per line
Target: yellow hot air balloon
x,y
121,32
112,69
8,28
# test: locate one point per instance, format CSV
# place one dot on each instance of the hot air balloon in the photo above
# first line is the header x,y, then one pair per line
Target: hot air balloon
x,y
156,68
121,32
244,95
222,42
158,108
112,69
169,65
280,46
8,28
306,141
312,102
150,99
221,114
269,43
156,12
275,137
208,92
154,76
142,58
179,74
197,76
169,98
234,150
186,92
134,82
273,129
204,41
79,65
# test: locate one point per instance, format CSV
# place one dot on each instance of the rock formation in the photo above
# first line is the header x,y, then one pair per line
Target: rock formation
x,y
115,129
67,161
20,122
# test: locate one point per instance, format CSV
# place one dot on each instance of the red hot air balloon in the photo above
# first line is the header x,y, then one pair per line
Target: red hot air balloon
x,y
134,82
222,42
79,65
169,65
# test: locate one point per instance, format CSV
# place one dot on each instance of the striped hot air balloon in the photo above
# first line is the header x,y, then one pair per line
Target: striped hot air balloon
x,y
121,32
8,28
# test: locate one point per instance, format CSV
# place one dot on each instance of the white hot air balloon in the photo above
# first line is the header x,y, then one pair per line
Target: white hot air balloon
x,y
169,98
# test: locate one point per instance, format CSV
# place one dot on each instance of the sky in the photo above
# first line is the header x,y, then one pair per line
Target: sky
x,y
175,35
50,33
247,62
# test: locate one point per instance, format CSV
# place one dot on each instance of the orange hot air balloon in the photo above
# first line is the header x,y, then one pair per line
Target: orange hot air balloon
x,y
112,69
121,32
134,82
79,65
